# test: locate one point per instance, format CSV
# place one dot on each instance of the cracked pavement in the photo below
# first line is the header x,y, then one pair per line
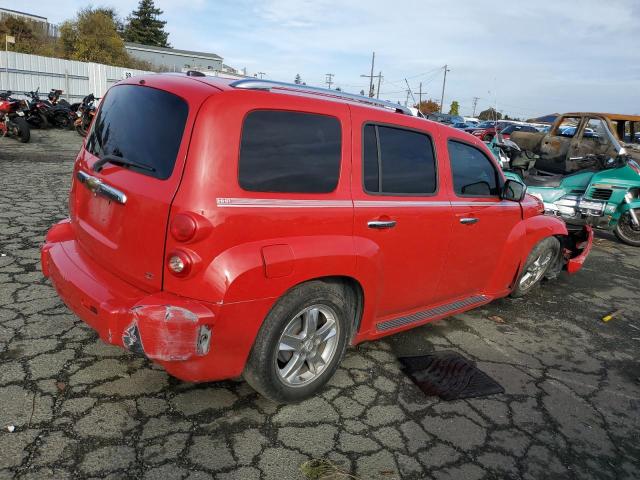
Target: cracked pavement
x,y
82,409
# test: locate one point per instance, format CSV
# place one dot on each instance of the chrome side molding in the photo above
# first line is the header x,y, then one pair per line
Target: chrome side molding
x,y
98,187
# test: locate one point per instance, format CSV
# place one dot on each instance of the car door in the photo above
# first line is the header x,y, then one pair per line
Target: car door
x,y
402,214
482,222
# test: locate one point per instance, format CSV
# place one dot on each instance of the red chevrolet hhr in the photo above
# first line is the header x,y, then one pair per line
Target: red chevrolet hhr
x,y
256,228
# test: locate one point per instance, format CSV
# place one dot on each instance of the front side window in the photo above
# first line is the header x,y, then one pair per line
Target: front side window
x,y
141,124
473,173
568,126
398,161
291,152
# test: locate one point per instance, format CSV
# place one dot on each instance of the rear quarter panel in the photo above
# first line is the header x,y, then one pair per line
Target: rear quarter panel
x,y
305,236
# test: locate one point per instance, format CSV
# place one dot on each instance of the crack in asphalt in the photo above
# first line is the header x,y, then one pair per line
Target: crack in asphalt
x,y
83,409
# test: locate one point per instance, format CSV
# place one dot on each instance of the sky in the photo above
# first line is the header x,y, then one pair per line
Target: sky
x,y
528,58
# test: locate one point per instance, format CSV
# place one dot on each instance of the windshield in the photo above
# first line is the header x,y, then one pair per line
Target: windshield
x,y
142,125
486,125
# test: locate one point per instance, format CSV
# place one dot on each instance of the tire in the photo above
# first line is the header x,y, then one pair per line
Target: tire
x,y
62,120
542,257
626,232
273,355
24,132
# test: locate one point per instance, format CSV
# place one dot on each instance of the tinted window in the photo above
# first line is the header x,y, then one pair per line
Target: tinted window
x,y
289,152
141,124
473,173
404,163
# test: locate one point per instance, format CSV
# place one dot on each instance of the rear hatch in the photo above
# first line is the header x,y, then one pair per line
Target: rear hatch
x,y
126,178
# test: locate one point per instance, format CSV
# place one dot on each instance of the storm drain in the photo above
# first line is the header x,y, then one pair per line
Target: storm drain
x,y
449,375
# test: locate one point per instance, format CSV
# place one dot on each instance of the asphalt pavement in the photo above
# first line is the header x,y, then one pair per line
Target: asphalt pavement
x,y
73,407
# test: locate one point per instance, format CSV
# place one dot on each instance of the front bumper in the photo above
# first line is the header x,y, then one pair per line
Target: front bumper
x,y
183,335
582,241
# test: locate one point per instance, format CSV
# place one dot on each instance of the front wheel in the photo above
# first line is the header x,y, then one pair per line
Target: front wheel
x,y
62,120
540,260
626,231
300,343
23,132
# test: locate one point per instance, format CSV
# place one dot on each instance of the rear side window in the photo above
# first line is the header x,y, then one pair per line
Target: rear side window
x,y
140,124
398,161
473,173
290,152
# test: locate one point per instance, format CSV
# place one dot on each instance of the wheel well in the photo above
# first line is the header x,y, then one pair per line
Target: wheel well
x,y
354,294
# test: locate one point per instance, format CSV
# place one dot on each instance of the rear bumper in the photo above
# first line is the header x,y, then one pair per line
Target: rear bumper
x,y
583,242
192,340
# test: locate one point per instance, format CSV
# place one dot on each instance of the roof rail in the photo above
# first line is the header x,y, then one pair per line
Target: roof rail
x,y
268,85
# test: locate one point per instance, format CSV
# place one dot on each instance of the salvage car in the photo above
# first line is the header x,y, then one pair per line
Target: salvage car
x,y
595,181
257,228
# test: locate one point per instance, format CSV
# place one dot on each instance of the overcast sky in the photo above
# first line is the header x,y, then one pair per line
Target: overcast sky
x,y
550,56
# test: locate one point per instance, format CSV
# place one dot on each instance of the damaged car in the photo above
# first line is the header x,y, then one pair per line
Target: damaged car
x,y
585,170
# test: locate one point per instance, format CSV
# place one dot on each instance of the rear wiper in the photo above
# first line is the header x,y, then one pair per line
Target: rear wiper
x,y
120,161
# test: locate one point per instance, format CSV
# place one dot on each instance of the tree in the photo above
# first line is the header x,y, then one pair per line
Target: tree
x,y
490,114
338,89
362,92
298,79
455,108
30,37
144,26
428,106
92,37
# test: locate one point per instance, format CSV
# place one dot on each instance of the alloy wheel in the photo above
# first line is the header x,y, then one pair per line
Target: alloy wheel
x,y
536,270
307,345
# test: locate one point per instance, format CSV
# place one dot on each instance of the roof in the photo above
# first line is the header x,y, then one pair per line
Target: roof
x,y
171,51
23,13
610,116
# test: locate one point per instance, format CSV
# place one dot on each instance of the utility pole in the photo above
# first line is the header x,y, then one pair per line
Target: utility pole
x,y
370,76
261,74
444,83
420,96
379,80
329,79
475,104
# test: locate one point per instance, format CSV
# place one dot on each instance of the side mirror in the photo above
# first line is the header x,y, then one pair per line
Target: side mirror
x,y
513,191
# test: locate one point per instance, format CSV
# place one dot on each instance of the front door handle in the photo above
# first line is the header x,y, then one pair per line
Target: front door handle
x,y
381,224
469,220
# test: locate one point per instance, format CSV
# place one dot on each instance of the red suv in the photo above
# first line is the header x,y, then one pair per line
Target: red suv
x,y
257,228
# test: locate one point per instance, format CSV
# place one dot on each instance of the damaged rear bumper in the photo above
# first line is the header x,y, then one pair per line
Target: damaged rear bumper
x,y
173,331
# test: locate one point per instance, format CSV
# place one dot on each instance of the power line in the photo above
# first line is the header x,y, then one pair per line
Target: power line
x,y
329,79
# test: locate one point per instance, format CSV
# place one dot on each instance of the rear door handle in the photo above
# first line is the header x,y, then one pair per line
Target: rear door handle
x,y
381,224
469,220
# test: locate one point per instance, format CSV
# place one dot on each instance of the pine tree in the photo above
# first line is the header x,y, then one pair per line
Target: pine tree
x,y
143,26
298,79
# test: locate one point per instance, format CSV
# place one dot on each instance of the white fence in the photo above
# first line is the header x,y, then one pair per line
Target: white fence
x,y
20,73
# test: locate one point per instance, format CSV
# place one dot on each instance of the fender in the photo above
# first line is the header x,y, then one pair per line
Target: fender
x,y
525,235
625,207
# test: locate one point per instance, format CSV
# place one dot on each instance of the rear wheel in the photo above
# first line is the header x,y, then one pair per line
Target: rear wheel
x,y
62,120
626,231
300,343
543,256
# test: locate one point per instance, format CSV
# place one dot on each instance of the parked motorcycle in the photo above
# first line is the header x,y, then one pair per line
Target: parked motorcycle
x,y
42,114
86,112
12,122
54,98
604,192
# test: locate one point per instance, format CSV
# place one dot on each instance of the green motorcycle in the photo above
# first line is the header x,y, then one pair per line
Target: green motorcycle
x,y
603,191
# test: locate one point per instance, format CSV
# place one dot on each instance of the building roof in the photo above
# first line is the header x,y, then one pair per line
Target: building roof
x,y
16,12
171,51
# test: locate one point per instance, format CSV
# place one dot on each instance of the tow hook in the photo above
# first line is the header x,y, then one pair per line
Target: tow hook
x,y
634,218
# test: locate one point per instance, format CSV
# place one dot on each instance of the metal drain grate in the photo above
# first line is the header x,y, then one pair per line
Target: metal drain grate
x,y
449,375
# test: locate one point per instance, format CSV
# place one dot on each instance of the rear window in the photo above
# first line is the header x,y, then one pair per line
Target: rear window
x,y
291,152
141,124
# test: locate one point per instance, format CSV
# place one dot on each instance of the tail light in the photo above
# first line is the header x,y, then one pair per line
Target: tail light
x,y
183,227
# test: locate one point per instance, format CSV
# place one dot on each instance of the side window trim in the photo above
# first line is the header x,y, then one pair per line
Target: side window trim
x,y
379,158
499,178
